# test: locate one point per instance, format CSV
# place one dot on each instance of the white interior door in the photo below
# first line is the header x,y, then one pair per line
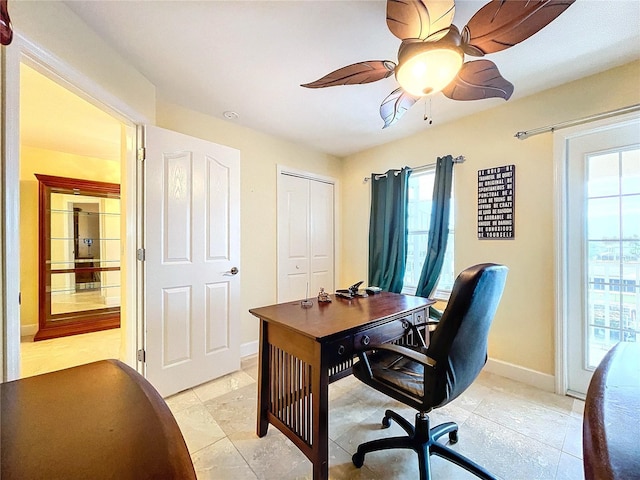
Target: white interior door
x,y
192,259
305,237
603,246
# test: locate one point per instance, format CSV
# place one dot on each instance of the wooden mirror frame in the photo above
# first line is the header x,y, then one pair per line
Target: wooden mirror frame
x,y
71,323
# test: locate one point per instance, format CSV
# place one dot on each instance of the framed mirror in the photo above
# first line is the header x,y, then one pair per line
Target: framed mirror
x,y
79,256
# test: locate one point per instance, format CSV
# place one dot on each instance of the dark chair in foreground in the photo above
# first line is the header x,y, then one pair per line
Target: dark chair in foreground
x,y
429,377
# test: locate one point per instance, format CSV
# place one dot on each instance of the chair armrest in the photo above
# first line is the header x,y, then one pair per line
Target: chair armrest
x,y
427,323
434,313
407,352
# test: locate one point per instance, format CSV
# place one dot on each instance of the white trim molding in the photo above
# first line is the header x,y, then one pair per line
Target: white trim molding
x,y
248,349
28,330
536,379
560,179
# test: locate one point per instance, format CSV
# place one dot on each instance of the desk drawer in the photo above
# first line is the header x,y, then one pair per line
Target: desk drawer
x,y
385,333
338,351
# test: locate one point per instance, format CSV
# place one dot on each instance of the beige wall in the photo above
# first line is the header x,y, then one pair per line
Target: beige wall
x,y
523,331
52,26
47,162
259,156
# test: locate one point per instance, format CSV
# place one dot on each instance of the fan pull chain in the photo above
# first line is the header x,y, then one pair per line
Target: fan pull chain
x,y
428,117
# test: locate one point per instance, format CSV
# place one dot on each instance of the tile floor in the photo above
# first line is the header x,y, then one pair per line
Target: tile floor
x,y
515,431
64,352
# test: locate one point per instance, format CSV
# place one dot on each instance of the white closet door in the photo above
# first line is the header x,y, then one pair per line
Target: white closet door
x,y
305,237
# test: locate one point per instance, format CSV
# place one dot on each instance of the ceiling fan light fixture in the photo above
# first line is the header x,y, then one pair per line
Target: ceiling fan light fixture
x,y
429,69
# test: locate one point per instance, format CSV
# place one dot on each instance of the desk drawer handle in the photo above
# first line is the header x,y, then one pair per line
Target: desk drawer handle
x,y
366,340
341,350
405,324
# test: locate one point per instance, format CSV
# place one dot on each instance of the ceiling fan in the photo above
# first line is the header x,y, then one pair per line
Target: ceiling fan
x,y
431,55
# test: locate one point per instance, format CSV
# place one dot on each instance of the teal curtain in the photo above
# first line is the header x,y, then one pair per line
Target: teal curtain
x,y
388,229
438,228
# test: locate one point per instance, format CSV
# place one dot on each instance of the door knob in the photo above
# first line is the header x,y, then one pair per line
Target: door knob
x,y
233,271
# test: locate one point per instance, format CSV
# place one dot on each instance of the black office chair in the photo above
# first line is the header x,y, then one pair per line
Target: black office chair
x,y
430,377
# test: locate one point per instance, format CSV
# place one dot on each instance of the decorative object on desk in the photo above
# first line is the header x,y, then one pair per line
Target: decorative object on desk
x,y
496,188
431,55
323,297
352,291
306,303
371,290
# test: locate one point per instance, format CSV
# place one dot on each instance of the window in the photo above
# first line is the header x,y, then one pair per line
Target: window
x,y
629,286
419,216
613,236
615,285
598,283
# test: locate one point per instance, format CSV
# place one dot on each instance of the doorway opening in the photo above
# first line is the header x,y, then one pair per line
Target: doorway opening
x,y
63,135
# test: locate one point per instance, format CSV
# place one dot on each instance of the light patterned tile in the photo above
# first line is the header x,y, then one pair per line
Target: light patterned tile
x,y
531,419
182,400
560,403
219,461
236,411
249,365
573,438
198,427
578,408
223,385
569,468
505,452
340,468
271,457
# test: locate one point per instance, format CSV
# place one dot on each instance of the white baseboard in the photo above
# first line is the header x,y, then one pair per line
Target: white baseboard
x,y
28,330
249,348
540,380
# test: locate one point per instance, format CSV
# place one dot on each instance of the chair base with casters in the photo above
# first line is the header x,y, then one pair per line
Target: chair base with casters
x,y
427,376
424,441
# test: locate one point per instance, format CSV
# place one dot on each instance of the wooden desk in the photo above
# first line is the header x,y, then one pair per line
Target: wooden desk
x,y
302,350
611,428
97,421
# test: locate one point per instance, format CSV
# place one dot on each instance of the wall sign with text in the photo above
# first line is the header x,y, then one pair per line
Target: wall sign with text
x,y
496,202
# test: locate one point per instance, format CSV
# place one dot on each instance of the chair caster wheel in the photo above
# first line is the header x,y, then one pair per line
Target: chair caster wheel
x,y
358,459
386,422
453,437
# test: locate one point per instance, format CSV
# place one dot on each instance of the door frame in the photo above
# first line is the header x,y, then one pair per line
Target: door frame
x,y
24,50
560,143
284,170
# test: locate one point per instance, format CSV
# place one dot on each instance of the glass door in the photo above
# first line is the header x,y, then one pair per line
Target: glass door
x,y
79,256
603,247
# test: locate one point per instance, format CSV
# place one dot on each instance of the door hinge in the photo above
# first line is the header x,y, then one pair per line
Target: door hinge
x,y
142,154
140,254
141,356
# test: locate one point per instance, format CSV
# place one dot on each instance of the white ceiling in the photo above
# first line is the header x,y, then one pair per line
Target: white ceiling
x,y
251,56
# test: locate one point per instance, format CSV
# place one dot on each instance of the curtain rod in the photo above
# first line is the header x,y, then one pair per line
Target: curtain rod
x,y
458,159
599,116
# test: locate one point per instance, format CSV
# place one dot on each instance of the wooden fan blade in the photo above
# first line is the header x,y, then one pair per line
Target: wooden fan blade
x,y
420,18
394,106
501,24
6,31
362,72
477,80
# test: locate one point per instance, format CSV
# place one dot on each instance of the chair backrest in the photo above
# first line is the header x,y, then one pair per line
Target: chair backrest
x,y
459,343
